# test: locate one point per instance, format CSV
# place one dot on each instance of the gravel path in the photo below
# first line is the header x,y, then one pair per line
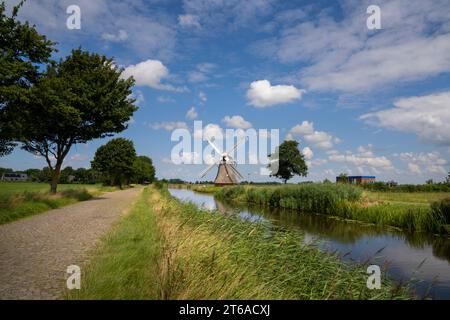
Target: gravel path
x,y
35,252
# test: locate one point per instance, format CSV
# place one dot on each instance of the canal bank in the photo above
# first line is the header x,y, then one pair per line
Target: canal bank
x,y
419,259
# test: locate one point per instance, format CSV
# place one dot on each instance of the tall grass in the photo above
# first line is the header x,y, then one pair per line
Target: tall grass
x,y
345,201
126,264
19,205
323,198
181,252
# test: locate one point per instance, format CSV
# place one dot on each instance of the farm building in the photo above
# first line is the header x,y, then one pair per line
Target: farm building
x,y
13,176
357,179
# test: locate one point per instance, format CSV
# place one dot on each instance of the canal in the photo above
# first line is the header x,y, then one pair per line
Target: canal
x,y
419,259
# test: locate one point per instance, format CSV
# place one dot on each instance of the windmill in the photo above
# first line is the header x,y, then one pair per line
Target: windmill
x,y
227,172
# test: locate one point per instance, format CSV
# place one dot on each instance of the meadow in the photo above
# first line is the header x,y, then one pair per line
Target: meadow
x,y
165,249
23,199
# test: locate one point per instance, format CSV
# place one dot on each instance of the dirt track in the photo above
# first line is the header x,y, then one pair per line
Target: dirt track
x,y
35,252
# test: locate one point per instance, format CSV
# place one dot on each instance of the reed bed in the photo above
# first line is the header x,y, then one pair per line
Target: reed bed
x,y
345,201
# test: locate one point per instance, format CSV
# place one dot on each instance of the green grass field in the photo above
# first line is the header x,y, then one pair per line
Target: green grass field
x,y
408,197
11,188
164,249
23,199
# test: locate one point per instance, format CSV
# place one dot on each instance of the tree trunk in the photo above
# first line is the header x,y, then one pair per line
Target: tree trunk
x,y
55,178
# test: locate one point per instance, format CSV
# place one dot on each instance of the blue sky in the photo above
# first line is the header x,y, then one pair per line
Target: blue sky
x,y
372,102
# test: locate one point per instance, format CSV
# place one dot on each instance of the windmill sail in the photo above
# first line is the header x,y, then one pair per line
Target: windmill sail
x,y
227,173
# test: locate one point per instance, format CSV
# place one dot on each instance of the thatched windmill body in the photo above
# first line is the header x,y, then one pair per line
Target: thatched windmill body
x,y
227,174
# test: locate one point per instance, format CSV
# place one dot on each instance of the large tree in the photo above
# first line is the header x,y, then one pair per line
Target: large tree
x,y
289,161
81,98
143,168
115,161
22,51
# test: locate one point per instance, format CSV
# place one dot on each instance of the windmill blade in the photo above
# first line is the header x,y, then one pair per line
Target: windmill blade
x,y
214,146
235,146
204,172
237,172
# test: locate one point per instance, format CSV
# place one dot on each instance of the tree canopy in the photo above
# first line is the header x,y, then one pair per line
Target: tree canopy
x,y
80,98
143,170
22,51
115,160
290,162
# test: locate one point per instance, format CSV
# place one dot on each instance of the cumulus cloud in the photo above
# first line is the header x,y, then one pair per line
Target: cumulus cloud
x,y
192,114
308,153
364,159
150,73
418,163
262,94
211,130
169,125
237,122
189,20
122,35
319,139
427,116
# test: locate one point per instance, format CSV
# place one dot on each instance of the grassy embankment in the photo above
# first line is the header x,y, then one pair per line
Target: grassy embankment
x,y
164,249
22,199
412,212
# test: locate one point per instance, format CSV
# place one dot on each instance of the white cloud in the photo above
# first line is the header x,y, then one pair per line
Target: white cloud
x,y
427,116
192,114
262,94
341,54
106,19
122,35
364,158
431,162
79,157
319,139
189,20
169,126
414,168
304,128
164,99
221,16
197,76
150,73
211,130
308,153
237,122
202,96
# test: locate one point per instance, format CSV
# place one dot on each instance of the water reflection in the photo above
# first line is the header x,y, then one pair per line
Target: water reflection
x,y
420,257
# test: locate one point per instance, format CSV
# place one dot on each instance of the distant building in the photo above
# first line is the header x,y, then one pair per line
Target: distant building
x,y
357,179
13,176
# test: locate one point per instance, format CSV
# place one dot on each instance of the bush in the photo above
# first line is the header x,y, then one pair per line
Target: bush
x,y
159,184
